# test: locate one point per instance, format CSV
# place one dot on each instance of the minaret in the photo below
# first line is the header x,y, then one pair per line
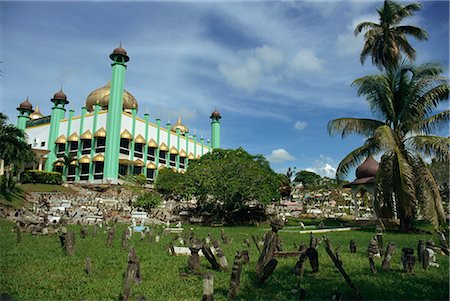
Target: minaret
x,y
59,100
114,118
215,129
25,109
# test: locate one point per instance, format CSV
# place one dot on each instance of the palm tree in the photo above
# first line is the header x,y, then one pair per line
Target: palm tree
x,y
404,99
384,42
14,150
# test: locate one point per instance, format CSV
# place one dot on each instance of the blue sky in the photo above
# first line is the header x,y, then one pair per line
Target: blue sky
x,y
277,71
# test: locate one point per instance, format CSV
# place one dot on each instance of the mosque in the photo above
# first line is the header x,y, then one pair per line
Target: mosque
x,y
108,139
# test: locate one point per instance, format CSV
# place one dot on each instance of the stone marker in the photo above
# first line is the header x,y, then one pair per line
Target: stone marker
x,y
124,241
313,257
225,237
94,233
388,256
222,260
429,255
87,265
110,236
70,243
247,242
62,236
208,287
83,231
408,260
420,248
210,257
266,263
18,230
313,242
379,236
245,257
373,247
194,258
132,275
208,239
352,246
235,280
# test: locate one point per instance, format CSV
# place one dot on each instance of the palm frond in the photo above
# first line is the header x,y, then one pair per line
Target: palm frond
x,y
427,193
355,157
364,25
433,146
386,138
437,122
414,31
348,126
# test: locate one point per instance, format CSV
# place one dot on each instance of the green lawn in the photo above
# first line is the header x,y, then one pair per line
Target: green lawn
x,y
36,269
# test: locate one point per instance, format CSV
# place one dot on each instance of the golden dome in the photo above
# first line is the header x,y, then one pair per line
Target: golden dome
x,y
179,125
101,96
36,114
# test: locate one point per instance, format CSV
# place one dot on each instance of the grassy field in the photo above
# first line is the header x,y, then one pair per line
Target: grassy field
x,y
36,269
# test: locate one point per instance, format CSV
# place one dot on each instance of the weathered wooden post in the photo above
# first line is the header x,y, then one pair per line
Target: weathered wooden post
x,y
110,236
124,241
266,263
208,287
194,258
408,260
70,243
18,230
388,256
210,256
132,275
352,246
87,265
235,280
338,265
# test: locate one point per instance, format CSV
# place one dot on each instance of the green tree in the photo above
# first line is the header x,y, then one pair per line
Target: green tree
x,y
309,179
440,171
228,182
169,183
385,41
405,99
14,150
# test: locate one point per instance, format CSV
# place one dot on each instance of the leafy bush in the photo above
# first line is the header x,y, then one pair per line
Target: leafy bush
x,y
148,200
169,183
6,183
40,176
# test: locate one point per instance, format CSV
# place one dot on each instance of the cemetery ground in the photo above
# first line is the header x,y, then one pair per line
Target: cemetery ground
x,y
37,269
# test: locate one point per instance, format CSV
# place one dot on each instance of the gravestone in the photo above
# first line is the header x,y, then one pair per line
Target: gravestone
x,y
313,242
18,230
379,236
132,275
62,236
222,260
420,249
235,280
70,243
245,257
408,260
124,241
87,265
247,243
208,239
388,256
225,237
429,255
313,257
266,263
110,238
374,248
210,257
352,246
194,258
208,287
83,231
94,234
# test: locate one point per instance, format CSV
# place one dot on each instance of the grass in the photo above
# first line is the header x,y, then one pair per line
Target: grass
x,y
36,269
17,197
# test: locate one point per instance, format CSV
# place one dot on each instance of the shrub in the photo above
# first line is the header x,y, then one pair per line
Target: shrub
x,y
148,200
40,176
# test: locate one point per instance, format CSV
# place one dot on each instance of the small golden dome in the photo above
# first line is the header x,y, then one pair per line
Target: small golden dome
x,y
101,96
36,114
181,126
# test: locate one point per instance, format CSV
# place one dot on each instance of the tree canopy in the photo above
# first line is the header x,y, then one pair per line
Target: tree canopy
x,y
226,182
309,179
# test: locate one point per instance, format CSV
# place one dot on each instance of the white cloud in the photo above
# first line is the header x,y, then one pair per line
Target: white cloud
x,y
257,65
324,167
280,155
300,125
306,60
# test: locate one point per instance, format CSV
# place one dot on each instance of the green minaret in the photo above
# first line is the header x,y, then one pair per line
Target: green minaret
x,y
59,100
215,129
114,118
25,109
